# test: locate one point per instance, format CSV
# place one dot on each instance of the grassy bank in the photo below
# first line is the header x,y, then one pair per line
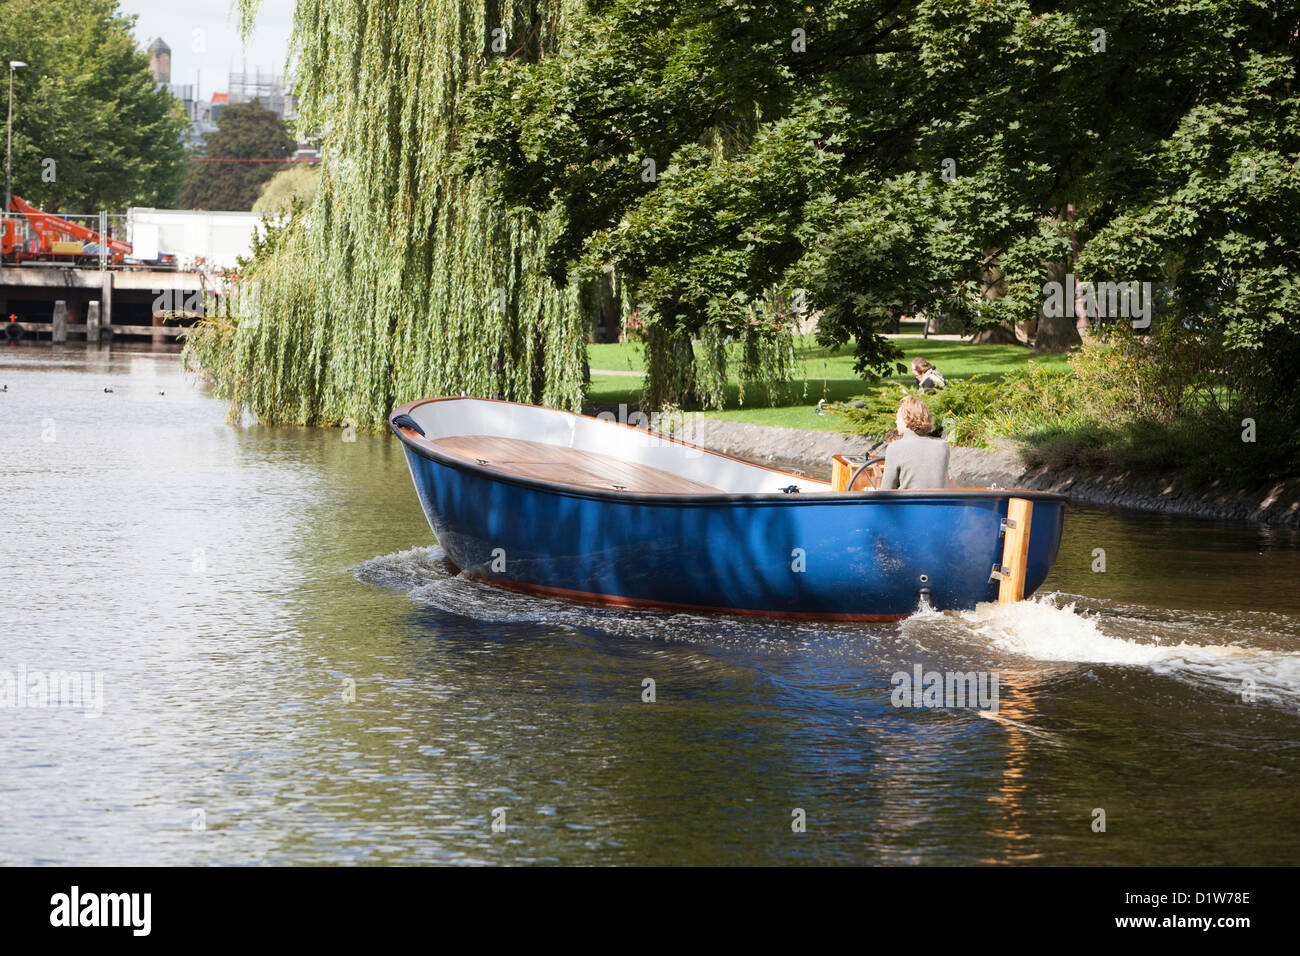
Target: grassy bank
x,y
1164,403
822,373
1123,403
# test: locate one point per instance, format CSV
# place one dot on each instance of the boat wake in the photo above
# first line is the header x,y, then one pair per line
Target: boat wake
x,y
428,580
1196,648
1050,634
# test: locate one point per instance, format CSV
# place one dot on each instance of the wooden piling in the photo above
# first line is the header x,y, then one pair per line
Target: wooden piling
x,y
103,232
1015,550
106,301
59,328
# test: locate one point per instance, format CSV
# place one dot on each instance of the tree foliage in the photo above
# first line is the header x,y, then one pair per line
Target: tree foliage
x,y
885,157
289,188
736,162
246,134
405,277
91,130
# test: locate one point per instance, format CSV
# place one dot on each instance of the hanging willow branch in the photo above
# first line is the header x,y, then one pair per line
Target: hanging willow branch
x,y
404,278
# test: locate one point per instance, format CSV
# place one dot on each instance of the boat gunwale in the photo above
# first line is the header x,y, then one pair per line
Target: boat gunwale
x,y
426,448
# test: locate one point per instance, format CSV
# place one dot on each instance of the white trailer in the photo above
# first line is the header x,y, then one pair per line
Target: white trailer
x,y
196,237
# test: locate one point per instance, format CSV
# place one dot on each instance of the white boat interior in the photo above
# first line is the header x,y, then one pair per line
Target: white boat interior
x,y
557,446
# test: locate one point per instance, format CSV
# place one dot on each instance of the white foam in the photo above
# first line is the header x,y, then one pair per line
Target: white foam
x,y
423,574
1044,630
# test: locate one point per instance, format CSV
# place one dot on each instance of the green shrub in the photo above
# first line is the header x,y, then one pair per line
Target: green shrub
x,y
974,410
1168,401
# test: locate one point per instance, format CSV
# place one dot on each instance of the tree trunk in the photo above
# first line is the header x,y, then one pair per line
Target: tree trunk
x,y
996,335
1056,333
993,286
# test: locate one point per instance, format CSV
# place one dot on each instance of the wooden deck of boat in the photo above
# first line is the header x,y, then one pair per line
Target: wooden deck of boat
x,y
569,466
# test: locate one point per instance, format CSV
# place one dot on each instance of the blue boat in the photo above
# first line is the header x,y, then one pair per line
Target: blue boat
x,y
580,508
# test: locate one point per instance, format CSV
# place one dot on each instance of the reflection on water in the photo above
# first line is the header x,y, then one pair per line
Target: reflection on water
x,y
292,675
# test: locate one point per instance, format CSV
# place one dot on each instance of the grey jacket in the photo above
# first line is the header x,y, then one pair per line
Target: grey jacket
x,y
916,462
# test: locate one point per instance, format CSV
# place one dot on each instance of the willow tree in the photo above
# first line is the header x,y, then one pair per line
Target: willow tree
x,y
405,277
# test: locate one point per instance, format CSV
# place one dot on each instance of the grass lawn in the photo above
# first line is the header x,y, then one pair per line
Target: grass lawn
x,y
821,373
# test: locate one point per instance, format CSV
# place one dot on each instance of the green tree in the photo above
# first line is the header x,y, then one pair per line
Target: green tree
x,y
91,129
881,157
735,160
405,278
288,189
246,133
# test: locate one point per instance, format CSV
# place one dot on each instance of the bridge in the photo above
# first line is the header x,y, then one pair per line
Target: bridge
x,y
52,300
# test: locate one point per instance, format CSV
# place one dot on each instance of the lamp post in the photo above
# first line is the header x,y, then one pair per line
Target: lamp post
x,y
9,134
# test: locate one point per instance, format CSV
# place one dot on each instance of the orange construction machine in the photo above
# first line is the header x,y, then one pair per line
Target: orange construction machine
x,y
56,240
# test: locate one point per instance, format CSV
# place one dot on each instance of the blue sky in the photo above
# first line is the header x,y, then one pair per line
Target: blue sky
x,y
204,37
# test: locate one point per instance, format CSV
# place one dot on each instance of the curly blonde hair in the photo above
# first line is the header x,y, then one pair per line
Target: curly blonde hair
x,y
916,415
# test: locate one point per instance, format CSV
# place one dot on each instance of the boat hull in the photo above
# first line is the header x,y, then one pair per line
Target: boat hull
x,y
849,556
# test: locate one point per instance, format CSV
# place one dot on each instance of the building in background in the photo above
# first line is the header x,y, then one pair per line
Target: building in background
x,y
202,120
160,61
272,90
269,89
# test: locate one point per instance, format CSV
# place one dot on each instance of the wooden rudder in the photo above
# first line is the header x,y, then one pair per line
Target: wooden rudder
x,y
1015,550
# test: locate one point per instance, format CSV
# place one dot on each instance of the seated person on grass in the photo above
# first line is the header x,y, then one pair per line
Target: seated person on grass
x,y
915,460
928,378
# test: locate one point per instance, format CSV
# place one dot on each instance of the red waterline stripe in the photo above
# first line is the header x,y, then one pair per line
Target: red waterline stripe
x,y
205,159
612,600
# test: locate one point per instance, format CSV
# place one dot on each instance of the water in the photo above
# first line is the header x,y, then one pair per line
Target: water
x,y
290,674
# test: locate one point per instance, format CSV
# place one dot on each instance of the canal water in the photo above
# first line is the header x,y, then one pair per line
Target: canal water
x,y
273,666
